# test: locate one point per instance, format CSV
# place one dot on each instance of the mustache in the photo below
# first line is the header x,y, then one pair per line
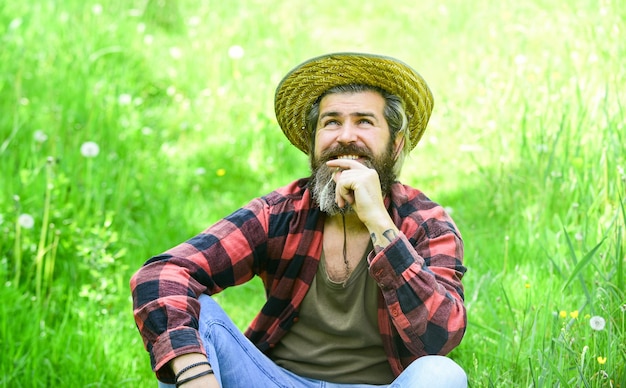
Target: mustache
x,y
350,149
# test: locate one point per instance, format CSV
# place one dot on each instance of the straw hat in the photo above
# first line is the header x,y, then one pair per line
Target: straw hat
x,y
303,85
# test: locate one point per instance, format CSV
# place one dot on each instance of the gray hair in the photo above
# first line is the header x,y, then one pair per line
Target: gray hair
x,y
394,113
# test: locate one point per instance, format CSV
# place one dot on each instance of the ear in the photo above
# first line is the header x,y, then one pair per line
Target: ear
x,y
398,146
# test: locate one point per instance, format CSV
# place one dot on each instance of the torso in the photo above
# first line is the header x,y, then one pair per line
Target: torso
x,y
357,240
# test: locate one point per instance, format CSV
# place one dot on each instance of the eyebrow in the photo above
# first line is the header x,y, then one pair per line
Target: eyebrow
x,y
353,114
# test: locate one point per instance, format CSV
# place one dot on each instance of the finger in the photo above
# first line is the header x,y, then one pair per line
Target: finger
x,y
345,164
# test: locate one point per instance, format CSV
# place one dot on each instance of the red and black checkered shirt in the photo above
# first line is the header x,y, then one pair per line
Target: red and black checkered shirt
x,y
278,237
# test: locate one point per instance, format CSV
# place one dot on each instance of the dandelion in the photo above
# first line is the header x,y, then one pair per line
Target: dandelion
x,y
89,149
601,360
176,53
220,172
40,136
26,221
597,323
125,99
562,313
527,285
15,24
235,52
574,314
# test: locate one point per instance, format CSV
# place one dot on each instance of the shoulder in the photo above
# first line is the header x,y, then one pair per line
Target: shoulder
x,y
410,206
295,194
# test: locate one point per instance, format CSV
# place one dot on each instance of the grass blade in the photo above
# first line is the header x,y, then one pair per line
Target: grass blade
x,y
582,263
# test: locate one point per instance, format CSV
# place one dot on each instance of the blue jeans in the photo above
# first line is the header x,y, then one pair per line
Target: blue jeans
x,y
238,363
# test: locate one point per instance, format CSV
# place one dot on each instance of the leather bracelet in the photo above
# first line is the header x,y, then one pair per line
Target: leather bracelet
x,y
185,369
188,379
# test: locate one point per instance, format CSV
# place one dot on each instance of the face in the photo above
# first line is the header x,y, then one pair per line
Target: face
x,y
350,125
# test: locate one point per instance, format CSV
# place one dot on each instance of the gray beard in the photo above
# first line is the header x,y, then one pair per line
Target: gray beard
x,y
323,189
323,186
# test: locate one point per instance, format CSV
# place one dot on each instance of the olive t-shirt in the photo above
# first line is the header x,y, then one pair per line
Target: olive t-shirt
x,y
336,338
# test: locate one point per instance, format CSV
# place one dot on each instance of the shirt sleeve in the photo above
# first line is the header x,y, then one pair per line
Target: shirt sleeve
x,y
166,287
420,278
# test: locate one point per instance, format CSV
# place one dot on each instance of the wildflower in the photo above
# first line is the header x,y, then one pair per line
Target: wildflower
x,y
176,53
200,171
527,285
601,360
40,136
26,221
220,172
125,99
15,24
235,52
597,323
623,308
574,314
89,149
562,313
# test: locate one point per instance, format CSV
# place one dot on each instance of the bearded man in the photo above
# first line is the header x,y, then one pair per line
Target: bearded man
x,y
362,274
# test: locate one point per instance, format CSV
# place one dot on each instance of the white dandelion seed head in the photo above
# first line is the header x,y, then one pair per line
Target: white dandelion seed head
x,y
236,52
125,99
597,323
176,53
40,136
15,24
89,149
26,221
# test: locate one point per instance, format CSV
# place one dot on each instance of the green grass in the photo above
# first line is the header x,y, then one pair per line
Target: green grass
x,y
525,147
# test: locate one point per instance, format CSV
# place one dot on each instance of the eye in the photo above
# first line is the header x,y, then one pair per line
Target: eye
x,y
331,123
365,121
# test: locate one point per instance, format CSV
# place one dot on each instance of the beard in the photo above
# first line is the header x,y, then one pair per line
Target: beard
x,y
323,186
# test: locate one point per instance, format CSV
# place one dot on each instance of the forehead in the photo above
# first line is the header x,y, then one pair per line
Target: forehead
x,y
351,102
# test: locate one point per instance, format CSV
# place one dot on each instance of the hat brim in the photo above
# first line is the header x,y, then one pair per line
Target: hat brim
x,y
302,86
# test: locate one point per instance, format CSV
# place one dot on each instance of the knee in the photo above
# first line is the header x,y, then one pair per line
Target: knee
x,y
438,371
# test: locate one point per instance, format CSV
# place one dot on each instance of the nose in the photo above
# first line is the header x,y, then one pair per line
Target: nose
x,y
347,134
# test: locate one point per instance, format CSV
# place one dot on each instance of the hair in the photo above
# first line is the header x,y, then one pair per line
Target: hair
x,y
394,113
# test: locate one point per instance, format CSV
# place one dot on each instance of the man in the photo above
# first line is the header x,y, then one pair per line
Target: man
x,y
362,274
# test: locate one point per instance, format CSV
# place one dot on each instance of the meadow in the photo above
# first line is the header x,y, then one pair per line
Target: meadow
x,y
128,127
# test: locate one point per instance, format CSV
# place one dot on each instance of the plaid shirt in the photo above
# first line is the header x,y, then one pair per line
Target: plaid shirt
x,y
279,238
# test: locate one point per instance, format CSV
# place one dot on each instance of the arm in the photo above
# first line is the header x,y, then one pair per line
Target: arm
x,y
421,285
420,279
165,289
180,362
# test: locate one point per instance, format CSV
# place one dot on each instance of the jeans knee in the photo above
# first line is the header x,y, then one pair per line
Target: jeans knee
x,y
435,371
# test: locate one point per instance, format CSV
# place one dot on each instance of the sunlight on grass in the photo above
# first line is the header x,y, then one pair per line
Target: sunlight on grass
x,y
128,127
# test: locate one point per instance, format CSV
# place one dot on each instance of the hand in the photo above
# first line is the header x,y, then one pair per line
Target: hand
x,y
359,186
